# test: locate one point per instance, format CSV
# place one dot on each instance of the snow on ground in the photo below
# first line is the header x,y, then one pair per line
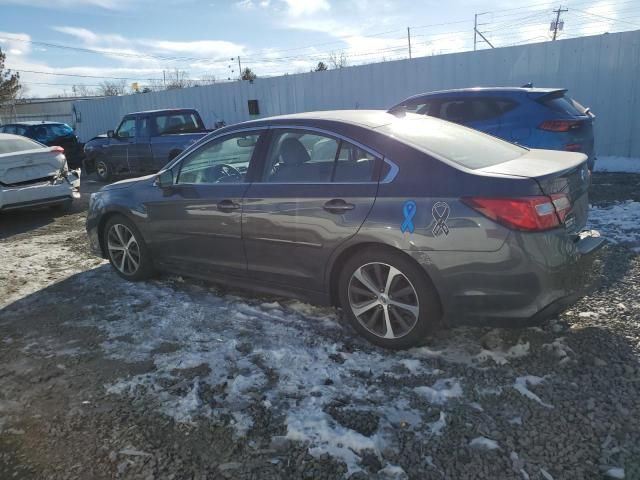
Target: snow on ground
x,y
35,262
223,356
619,223
521,385
618,164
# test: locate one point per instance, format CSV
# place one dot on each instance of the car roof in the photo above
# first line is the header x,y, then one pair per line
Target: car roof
x,y
457,91
364,118
162,110
30,123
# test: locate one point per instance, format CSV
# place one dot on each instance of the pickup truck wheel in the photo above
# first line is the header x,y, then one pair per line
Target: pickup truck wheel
x,y
103,170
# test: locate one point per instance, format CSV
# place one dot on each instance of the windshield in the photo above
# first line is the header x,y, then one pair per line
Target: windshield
x,y
461,145
12,145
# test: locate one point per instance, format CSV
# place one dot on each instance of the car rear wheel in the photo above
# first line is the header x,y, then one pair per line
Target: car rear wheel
x,y
388,299
103,170
126,249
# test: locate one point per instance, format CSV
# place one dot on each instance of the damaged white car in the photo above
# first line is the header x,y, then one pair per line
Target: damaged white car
x,y
34,175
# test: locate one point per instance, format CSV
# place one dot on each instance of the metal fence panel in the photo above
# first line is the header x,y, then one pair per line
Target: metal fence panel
x,y
601,72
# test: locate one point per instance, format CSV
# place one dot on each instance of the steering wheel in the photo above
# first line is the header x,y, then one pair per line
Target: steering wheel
x,y
228,170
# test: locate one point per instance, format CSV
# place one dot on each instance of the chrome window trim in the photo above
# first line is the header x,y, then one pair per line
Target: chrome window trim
x,y
392,173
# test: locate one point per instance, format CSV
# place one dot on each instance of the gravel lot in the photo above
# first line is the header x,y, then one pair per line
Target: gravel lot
x,y
179,379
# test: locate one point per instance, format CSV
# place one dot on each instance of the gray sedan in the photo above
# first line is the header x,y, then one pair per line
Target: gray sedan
x,y
406,223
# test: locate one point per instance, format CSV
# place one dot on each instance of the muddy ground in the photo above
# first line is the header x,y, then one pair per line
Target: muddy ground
x,y
178,379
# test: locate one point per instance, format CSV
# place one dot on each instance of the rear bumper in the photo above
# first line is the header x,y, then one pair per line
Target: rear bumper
x,y
41,194
529,279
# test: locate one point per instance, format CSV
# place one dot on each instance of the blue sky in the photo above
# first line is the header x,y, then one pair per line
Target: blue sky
x,y
138,39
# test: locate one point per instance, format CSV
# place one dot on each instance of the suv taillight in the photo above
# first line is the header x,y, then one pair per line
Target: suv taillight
x,y
560,125
531,214
57,149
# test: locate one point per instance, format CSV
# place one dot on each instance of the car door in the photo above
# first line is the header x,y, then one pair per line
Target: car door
x,y
118,147
313,193
195,224
139,151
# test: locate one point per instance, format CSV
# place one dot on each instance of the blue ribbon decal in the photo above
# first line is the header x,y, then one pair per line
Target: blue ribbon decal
x,y
409,211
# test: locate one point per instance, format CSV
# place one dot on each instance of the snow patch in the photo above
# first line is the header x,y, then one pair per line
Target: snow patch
x,y
441,391
619,223
614,472
484,443
521,384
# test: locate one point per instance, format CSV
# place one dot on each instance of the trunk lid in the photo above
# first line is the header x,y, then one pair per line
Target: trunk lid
x,y
556,173
29,165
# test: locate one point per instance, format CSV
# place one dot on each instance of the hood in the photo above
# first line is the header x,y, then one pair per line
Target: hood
x,y
129,182
29,165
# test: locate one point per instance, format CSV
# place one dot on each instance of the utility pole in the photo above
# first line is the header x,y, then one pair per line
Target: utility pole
x,y
239,67
557,22
164,80
476,32
409,39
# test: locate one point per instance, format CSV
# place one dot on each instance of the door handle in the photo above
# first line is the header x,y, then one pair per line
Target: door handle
x,y
338,206
228,206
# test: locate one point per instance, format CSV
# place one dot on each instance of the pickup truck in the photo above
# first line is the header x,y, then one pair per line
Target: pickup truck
x,y
143,142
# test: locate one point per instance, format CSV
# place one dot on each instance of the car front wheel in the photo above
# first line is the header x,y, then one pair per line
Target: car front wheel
x,y
127,250
388,299
103,170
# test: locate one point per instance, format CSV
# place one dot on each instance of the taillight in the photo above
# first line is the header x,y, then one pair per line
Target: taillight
x,y
532,214
57,149
560,125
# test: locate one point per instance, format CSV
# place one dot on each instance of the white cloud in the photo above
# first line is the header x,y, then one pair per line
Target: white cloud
x,y
61,4
297,8
15,43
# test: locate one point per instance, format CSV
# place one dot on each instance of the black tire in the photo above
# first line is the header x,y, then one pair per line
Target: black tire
x,y
104,171
422,292
145,268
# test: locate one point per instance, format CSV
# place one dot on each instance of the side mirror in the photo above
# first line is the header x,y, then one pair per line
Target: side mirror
x,y
246,142
165,179
111,134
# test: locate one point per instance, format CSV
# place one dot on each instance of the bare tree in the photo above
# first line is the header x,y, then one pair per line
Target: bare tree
x,y
208,79
9,82
82,91
111,89
177,79
247,74
337,60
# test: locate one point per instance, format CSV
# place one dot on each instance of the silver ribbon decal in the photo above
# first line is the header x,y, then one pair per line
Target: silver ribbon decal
x,y
440,212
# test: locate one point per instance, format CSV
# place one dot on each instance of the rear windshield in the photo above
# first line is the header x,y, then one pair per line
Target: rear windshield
x,y
180,122
461,145
562,104
51,131
11,145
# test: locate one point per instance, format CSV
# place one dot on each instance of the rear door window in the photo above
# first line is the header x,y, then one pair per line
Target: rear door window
x,y
296,156
474,109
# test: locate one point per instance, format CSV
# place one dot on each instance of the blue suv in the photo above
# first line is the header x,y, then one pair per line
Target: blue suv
x,y
543,118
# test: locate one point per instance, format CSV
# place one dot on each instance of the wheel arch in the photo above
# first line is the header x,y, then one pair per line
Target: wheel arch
x,y
104,218
346,253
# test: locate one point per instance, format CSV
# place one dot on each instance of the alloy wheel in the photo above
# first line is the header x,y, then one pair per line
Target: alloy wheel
x,y
123,249
101,169
383,300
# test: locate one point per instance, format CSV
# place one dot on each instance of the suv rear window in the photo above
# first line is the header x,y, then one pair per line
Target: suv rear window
x,y
464,146
11,145
562,104
179,122
51,131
